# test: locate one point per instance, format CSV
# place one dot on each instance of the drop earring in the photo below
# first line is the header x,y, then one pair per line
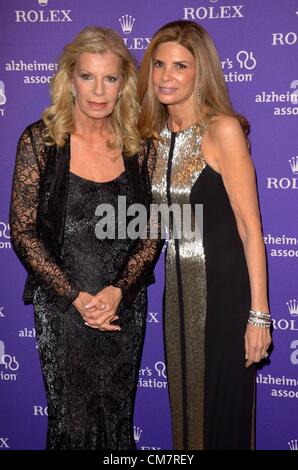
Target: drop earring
x,y
199,96
72,92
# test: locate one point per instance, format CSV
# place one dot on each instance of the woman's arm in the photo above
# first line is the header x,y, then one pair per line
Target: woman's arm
x,y
237,171
23,214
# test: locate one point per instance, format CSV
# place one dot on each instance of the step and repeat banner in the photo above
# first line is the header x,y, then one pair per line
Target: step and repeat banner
x,y
257,42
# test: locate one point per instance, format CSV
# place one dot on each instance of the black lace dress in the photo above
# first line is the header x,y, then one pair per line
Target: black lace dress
x,y
90,376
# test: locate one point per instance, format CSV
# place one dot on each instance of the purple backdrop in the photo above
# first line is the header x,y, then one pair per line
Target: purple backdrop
x,y
257,42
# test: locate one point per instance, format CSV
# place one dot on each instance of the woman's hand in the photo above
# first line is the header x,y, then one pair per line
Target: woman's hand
x,y
98,314
257,342
106,302
81,301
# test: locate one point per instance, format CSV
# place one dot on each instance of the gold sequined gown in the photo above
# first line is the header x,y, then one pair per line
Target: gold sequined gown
x,y
206,303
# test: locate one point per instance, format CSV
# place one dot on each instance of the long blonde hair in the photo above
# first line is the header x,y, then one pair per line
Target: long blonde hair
x,y
58,117
209,78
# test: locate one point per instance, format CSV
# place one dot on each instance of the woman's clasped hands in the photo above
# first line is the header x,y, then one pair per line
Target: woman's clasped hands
x,y
99,311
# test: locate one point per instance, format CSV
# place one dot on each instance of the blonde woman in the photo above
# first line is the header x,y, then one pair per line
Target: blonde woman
x,y
217,322
89,292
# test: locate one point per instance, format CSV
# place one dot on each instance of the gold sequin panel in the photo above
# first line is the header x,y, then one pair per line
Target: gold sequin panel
x,y
185,296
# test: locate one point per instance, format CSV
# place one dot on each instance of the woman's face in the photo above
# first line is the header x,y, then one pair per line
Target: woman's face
x,y
97,81
173,74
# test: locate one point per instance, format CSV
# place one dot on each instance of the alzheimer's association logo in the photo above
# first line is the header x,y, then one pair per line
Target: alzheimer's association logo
x,y
8,365
284,103
2,97
246,60
2,93
4,236
240,68
4,230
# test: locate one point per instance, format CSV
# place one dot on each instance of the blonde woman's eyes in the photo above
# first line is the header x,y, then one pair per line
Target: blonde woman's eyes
x,y
111,79
85,76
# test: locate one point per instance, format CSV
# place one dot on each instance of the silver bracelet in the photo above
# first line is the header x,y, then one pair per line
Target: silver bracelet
x,y
259,319
265,324
258,313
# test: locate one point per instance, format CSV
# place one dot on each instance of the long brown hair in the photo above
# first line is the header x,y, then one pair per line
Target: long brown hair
x,y
59,116
209,78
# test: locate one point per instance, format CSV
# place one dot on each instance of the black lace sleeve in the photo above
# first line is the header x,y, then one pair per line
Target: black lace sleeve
x,y
137,269
23,214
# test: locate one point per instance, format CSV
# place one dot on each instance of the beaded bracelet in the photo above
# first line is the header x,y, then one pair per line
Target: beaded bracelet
x,y
259,314
259,319
258,324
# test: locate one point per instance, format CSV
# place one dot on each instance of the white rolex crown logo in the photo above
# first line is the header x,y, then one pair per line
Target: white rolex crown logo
x,y
293,307
43,3
127,22
293,444
294,164
137,433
